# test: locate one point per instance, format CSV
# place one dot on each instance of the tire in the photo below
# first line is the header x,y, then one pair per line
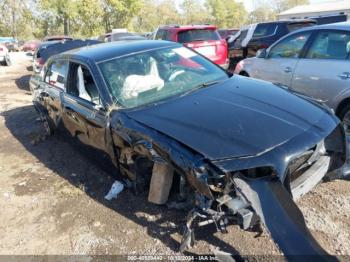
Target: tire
x,y
344,116
7,60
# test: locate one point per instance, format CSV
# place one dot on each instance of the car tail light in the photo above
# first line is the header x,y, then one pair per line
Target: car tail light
x,y
263,46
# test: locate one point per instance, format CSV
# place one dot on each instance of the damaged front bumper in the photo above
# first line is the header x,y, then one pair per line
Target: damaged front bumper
x,y
266,195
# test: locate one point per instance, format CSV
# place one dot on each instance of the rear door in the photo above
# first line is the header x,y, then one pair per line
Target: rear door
x,y
279,65
83,113
324,72
54,86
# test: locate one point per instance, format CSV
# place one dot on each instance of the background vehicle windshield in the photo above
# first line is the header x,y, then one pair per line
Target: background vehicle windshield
x,y
154,75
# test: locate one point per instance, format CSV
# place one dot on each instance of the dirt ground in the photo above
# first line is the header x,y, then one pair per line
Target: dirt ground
x,y
52,198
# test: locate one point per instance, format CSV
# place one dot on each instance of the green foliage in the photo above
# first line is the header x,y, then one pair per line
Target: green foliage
x,y
15,18
154,13
89,20
194,12
262,14
227,13
119,13
26,19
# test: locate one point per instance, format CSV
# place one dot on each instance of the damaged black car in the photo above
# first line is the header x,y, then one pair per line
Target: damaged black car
x,y
173,123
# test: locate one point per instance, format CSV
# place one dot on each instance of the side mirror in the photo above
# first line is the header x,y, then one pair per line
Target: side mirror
x,y
262,53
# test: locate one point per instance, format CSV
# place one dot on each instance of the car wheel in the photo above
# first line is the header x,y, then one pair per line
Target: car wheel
x,y
344,116
48,126
7,60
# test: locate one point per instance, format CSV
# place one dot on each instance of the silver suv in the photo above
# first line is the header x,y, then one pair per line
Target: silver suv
x,y
313,61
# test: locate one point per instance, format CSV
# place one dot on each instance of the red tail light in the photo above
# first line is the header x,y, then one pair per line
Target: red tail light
x,y
263,46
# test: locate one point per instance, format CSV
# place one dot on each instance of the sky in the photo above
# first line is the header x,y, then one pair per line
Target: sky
x,y
249,3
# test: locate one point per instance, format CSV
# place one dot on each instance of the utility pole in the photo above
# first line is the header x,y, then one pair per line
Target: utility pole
x,y
14,18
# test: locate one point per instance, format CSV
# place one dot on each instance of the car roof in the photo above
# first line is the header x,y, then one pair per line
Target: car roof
x,y
47,43
105,51
286,21
335,26
62,46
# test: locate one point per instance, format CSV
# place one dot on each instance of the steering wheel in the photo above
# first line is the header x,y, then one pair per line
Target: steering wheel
x,y
175,74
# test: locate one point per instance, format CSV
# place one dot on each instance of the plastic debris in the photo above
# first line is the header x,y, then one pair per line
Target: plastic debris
x,y
116,188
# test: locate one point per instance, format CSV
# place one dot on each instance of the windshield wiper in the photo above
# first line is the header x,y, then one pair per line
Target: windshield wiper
x,y
200,86
206,84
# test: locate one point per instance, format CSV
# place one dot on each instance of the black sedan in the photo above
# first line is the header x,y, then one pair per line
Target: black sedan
x,y
178,126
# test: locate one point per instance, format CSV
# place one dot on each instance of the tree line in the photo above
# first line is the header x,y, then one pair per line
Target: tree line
x,y
27,19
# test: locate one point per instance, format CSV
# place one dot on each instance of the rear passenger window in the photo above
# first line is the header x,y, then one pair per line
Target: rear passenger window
x,y
330,45
290,47
263,30
57,73
198,35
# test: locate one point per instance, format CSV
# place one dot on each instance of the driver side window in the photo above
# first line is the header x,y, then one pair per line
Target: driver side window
x,y
82,84
290,47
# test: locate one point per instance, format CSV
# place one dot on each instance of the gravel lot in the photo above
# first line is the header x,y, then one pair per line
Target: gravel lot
x,y
51,197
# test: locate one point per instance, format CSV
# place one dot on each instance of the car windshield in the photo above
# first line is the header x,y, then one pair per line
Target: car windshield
x,y
197,35
154,75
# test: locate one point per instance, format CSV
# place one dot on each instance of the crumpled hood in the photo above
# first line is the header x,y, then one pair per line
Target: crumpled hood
x,y
238,117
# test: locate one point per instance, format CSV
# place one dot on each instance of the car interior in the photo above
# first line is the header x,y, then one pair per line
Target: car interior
x,y
82,84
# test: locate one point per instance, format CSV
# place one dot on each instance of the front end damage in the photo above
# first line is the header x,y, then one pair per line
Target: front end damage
x,y
251,191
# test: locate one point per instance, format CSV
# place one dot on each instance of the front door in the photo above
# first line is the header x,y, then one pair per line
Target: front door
x,y
279,65
324,73
83,114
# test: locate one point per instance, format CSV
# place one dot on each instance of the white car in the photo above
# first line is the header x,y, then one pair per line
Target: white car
x,y
314,61
4,55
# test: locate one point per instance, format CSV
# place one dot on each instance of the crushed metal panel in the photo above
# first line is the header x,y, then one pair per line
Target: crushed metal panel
x,y
277,210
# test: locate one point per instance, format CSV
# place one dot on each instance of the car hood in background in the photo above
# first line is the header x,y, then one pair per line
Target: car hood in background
x,y
236,118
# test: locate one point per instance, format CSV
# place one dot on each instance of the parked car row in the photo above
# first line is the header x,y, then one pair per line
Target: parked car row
x,y
313,61
47,49
226,148
253,37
